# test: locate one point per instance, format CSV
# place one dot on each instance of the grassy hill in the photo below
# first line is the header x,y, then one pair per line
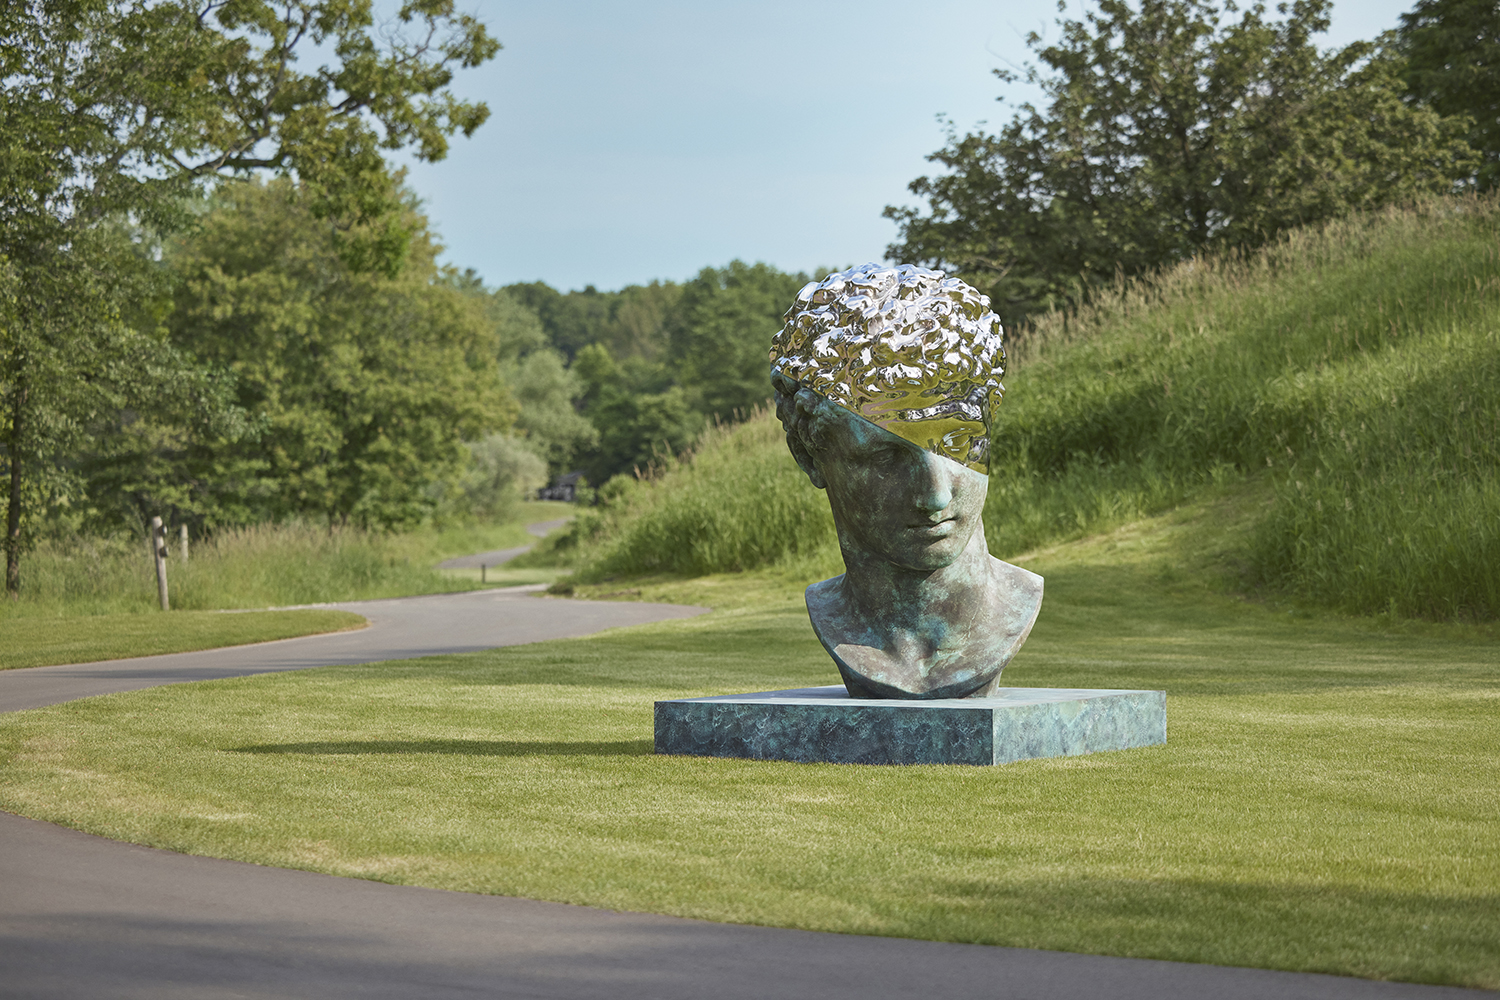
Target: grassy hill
x,y
1348,377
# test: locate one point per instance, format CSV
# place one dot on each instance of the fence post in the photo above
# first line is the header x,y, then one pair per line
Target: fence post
x,y
482,568
183,535
159,553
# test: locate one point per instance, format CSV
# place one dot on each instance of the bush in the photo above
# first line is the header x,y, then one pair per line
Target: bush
x,y
502,472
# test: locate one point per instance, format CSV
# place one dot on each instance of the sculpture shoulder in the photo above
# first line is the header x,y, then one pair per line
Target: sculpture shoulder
x,y
821,593
1019,581
830,613
1018,598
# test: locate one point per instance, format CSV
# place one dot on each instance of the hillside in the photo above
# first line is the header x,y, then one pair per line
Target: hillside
x,y
1347,378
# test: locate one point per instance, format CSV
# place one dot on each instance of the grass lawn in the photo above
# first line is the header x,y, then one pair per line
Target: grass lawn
x,y
1327,800
38,642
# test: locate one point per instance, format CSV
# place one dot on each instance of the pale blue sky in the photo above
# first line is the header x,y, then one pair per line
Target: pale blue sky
x,y
631,141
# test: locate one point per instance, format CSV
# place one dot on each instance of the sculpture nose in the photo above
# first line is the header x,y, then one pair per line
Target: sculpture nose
x,y
935,484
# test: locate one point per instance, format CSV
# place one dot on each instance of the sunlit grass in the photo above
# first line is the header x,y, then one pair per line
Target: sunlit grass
x,y
1324,801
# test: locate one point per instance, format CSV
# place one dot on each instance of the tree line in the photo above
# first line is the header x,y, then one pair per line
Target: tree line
x,y
219,305
1173,128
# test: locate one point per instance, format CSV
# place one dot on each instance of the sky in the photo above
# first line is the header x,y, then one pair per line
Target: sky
x,y
636,141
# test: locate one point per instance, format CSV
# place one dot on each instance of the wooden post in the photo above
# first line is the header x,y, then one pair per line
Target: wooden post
x,y
182,532
482,568
159,553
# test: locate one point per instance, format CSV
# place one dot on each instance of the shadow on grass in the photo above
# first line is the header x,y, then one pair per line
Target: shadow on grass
x,y
463,748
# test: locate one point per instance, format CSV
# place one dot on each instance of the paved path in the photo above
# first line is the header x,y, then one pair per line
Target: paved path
x,y
400,629
498,557
85,917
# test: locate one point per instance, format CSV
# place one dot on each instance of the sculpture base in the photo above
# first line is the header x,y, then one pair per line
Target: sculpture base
x,y
825,725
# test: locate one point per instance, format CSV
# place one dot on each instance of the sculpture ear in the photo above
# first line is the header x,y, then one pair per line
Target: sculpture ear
x,y
805,462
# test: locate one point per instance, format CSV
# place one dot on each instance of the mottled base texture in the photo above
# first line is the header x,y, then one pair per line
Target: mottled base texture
x,y
825,725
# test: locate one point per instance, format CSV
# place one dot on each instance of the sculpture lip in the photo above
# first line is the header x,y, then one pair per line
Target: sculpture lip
x,y
935,529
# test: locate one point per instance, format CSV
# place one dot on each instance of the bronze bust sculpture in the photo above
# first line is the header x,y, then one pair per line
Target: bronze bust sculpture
x,y
886,379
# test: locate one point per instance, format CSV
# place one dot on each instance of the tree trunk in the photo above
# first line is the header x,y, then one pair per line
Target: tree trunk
x,y
13,517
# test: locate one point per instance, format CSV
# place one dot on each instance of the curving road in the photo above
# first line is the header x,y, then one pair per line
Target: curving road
x,y
400,628
85,917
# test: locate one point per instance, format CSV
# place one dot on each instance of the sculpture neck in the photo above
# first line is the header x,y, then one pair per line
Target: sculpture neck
x,y
915,599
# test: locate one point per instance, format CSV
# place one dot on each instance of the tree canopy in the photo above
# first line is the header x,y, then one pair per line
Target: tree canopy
x,y
368,383
113,112
1452,49
1173,127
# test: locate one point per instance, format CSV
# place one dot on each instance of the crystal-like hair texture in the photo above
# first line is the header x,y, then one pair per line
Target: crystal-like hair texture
x,y
910,350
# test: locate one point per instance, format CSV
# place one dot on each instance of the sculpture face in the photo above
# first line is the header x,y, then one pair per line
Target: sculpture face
x,y
893,500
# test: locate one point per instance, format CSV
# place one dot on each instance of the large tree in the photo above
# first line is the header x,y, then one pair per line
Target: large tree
x,y
113,111
1172,127
1452,49
368,383
720,335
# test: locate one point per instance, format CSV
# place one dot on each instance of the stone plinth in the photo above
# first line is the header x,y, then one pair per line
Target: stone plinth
x,y
825,725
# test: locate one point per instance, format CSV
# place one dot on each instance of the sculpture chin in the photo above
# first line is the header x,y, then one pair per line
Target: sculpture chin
x,y
947,662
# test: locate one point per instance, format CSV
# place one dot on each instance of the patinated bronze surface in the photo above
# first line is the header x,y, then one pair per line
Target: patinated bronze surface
x,y
886,380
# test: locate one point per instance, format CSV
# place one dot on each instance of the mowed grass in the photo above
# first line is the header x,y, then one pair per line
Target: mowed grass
x,y
38,642
1326,801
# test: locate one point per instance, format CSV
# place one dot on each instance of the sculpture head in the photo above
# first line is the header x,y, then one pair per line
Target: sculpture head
x,y
885,380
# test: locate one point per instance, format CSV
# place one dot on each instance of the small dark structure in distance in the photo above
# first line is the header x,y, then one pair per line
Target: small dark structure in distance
x,y
564,487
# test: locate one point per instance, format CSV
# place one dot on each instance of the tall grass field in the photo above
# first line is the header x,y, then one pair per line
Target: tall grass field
x,y
1350,372
262,566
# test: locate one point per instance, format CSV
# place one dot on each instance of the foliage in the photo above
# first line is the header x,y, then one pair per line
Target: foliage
x,y
367,383
1171,130
656,363
721,335
547,393
736,501
630,323
502,472
70,366
642,417
262,565
1452,50
1357,365
113,110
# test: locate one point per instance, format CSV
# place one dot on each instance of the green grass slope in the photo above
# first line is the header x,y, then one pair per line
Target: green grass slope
x,y
1351,372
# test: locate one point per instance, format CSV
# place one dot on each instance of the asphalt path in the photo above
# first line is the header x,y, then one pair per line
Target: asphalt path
x,y
498,557
85,917
400,629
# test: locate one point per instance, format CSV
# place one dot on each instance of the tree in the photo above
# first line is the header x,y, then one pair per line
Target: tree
x,y
1452,49
720,335
630,323
1171,130
368,384
548,394
642,417
113,111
